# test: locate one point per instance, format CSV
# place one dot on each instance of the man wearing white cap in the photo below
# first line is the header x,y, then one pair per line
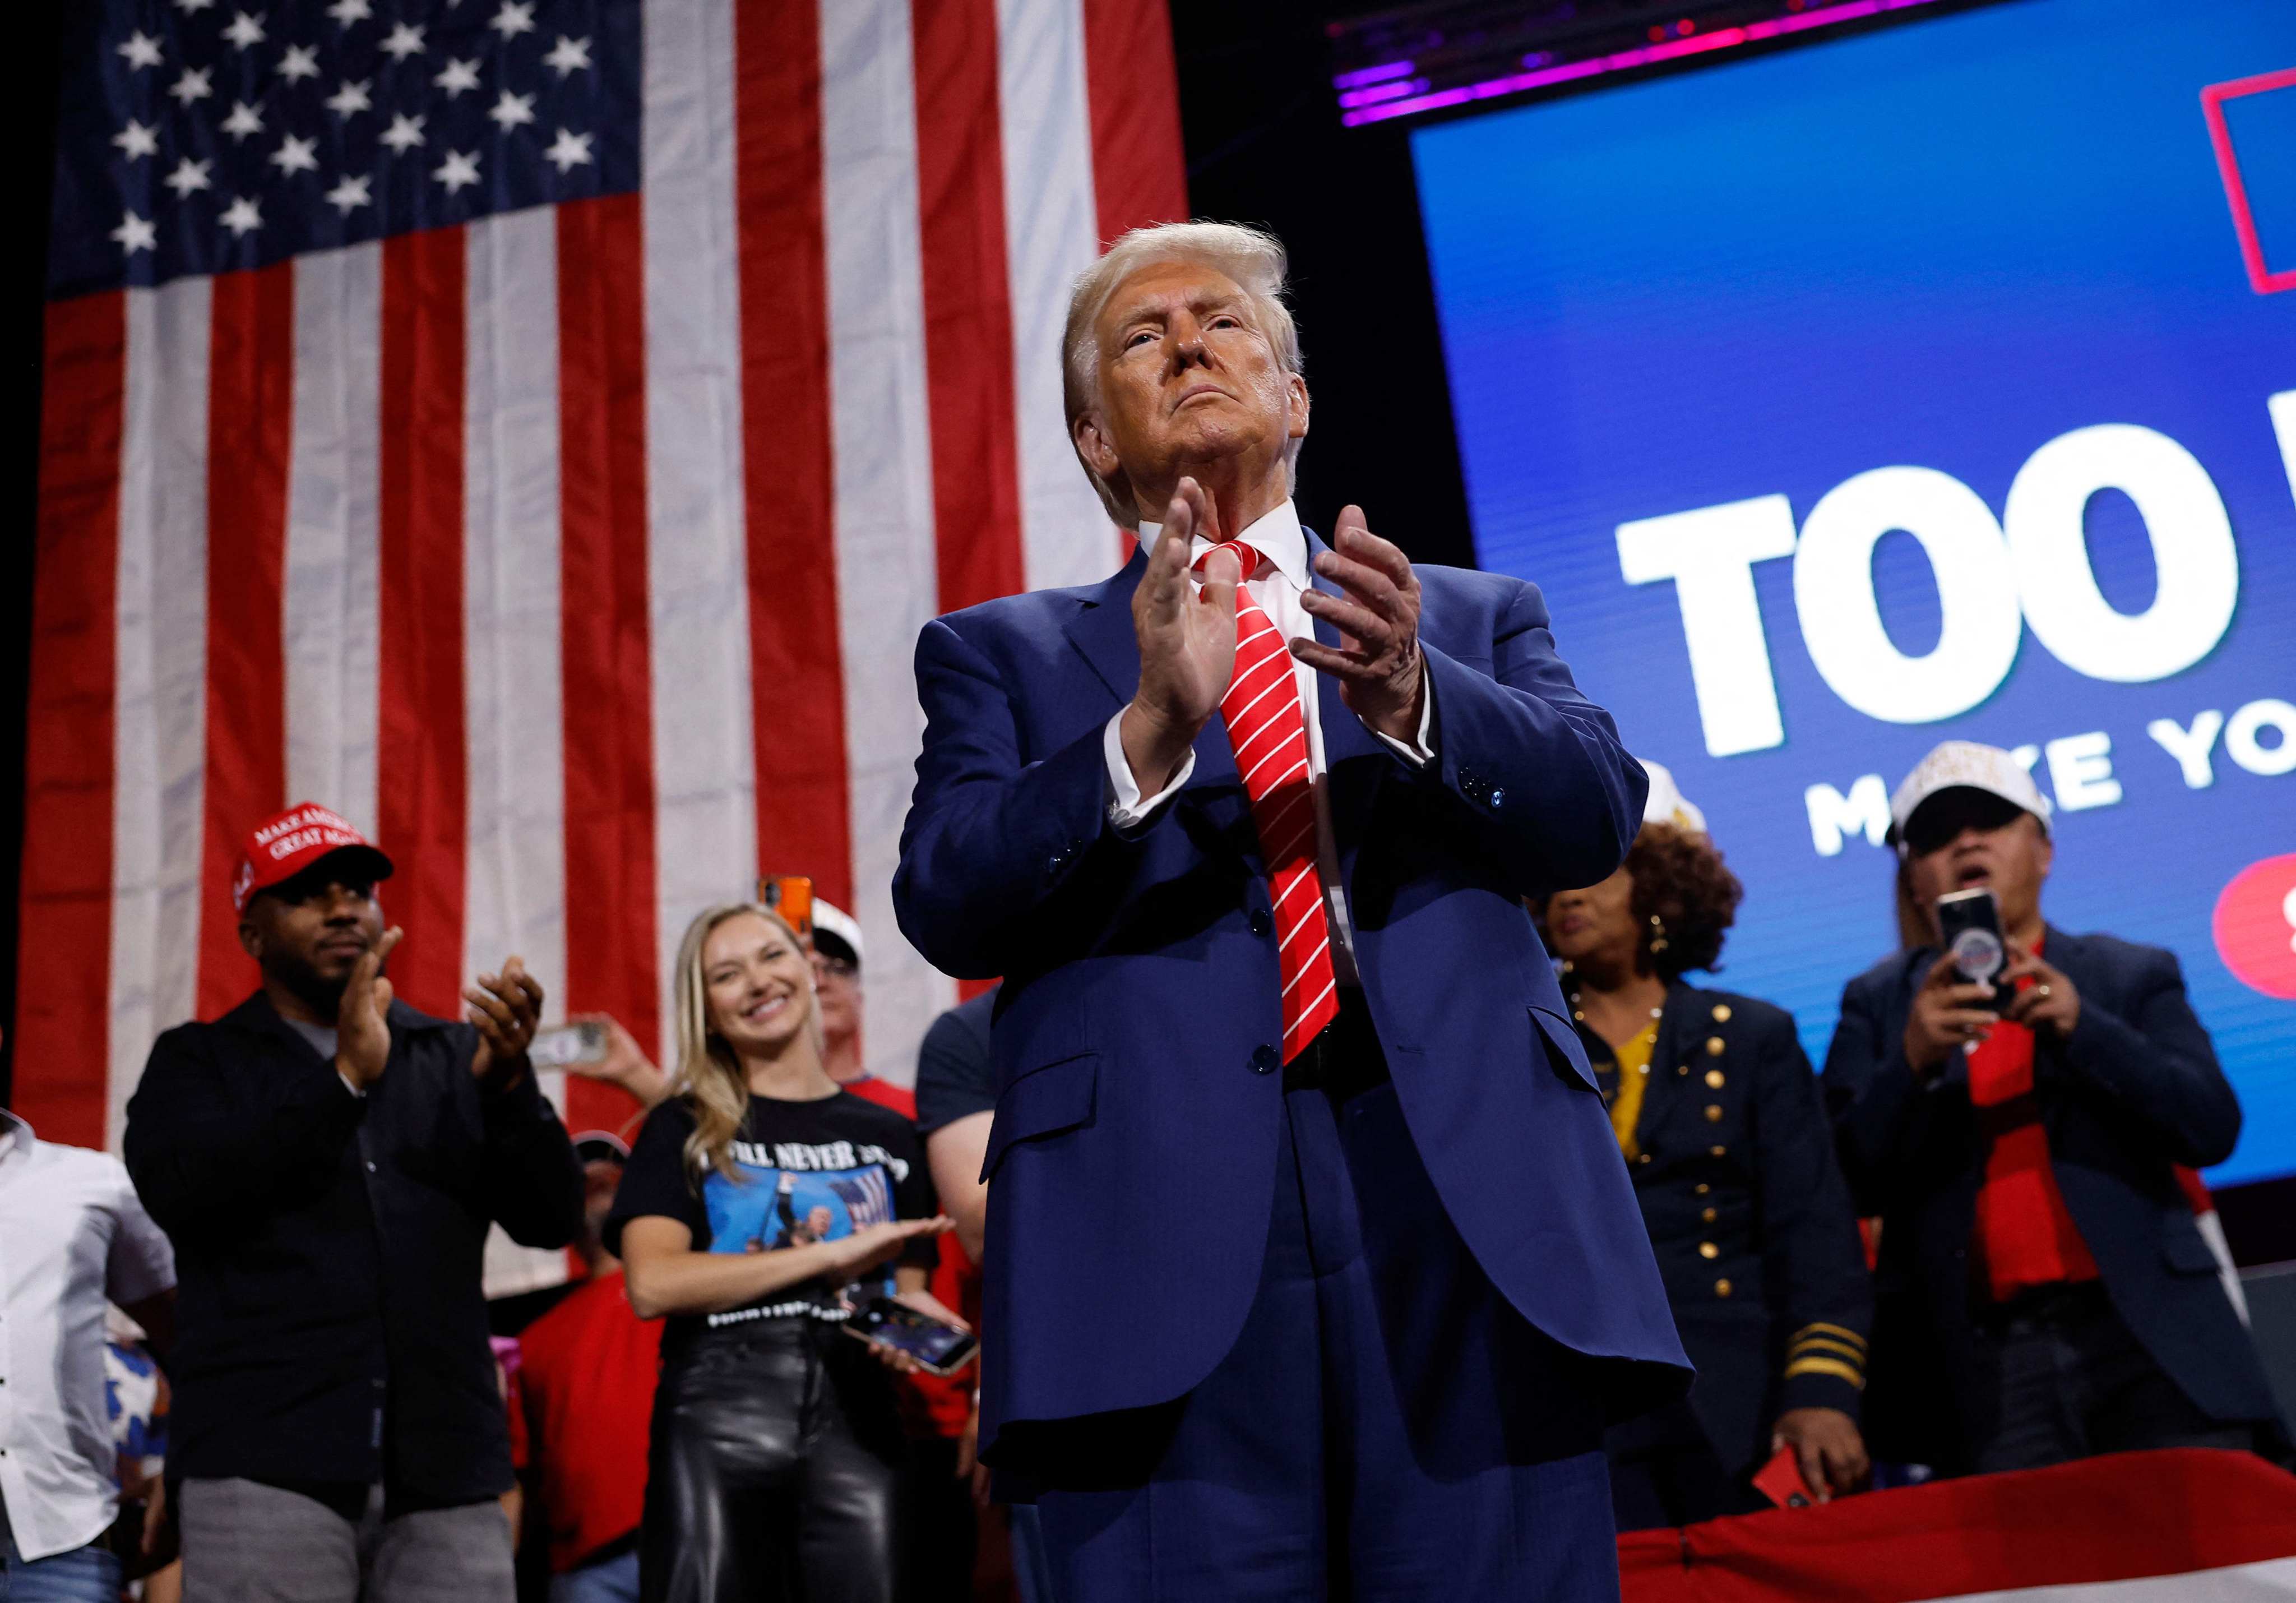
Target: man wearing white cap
x,y
2042,1292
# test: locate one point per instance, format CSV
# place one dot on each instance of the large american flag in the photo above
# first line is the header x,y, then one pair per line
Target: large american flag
x,y
538,429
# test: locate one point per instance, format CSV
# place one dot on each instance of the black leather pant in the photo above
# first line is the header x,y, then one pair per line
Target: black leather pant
x,y
773,1473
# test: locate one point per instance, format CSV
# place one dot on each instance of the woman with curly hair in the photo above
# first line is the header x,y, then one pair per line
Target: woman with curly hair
x,y
1720,1120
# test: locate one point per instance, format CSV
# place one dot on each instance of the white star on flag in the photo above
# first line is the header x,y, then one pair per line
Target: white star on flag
x,y
404,134
134,233
189,175
402,41
351,97
295,155
567,55
350,191
457,76
243,215
457,170
512,20
193,85
142,50
245,30
512,110
135,140
347,12
300,62
569,151
244,119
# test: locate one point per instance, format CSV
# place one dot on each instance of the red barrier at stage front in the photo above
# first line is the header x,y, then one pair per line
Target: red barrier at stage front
x,y
2186,1525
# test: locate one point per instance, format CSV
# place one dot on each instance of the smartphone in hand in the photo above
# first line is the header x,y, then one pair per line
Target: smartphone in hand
x,y
939,1347
1969,922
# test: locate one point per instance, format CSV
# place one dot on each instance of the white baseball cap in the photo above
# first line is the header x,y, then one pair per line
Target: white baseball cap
x,y
841,928
1965,765
1666,803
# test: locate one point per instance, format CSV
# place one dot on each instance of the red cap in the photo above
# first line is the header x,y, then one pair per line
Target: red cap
x,y
281,848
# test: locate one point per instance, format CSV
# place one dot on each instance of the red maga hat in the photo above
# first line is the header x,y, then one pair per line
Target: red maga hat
x,y
279,848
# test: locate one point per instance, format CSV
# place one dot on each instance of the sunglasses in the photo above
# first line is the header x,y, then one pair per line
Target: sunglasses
x,y
1938,822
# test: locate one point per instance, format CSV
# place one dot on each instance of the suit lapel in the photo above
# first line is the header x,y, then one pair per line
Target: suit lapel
x,y
1101,630
1661,1097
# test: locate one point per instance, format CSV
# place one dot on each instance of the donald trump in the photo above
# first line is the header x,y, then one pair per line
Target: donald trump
x,y
1312,1269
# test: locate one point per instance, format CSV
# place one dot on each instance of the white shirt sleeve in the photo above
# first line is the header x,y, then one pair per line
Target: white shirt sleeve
x,y
142,1264
1129,811
1423,753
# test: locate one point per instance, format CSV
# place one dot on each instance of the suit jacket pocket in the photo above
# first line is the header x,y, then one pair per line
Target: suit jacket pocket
x,y
1042,1101
1565,1054
2184,1251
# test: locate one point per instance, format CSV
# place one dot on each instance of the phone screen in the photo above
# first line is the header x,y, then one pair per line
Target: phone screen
x,y
941,1348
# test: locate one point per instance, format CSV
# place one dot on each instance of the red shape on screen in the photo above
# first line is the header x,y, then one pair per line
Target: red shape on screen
x,y
2255,926
2260,276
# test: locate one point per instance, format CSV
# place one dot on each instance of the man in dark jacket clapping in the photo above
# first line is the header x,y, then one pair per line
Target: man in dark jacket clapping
x,y
327,1160
2042,1292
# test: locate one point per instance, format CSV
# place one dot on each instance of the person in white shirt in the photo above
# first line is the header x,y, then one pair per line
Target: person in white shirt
x,y
72,1237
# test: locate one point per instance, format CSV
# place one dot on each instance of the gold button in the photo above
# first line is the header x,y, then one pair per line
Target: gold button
x,y
1707,1249
1717,1151
1703,1187
1643,1158
1714,1113
1721,1013
1710,1216
1714,1078
1578,1016
1722,1288
1714,1046
1682,1069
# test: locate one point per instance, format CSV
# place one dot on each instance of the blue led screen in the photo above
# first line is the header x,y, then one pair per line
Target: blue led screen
x,y
1938,382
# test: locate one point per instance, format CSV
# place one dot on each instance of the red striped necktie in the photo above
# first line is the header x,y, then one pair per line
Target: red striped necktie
x,y
1268,733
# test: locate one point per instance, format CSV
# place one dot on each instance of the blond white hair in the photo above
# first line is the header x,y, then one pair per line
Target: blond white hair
x,y
1250,257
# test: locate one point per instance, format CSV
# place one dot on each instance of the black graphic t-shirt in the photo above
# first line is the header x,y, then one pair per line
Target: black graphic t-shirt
x,y
808,1172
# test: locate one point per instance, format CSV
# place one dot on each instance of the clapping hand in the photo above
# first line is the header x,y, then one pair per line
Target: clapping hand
x,y
1383,676
1187,641
505,1007
363,1017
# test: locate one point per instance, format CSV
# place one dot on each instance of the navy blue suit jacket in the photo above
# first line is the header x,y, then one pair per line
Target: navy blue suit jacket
x,y
1134,1149
2133,1090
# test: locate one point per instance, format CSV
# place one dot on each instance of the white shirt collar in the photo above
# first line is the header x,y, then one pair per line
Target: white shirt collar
x,y
1276,536
16,1137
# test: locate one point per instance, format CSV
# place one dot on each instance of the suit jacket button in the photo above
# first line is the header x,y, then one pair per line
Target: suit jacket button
x,y
1722,1288
1721,1013
1498,798
1262,921
1263,1059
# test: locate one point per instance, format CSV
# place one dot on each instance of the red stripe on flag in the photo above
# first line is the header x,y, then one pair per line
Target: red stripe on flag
x,y
797,671
422,778
1138,168
251,418
63,967
968,302
605,646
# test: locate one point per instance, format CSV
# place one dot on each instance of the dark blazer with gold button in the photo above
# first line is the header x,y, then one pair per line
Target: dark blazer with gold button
x,y
1749,1218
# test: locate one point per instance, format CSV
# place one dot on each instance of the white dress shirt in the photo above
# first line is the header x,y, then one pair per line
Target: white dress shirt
x,y
72,1234
1277,587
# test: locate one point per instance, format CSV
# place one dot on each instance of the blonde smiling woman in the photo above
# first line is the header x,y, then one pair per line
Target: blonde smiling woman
x,y
760,1206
